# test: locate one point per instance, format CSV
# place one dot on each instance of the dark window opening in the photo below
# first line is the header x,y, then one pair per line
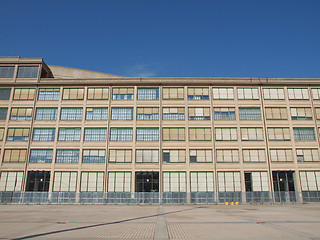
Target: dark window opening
x,y
248,181
147,182
38,181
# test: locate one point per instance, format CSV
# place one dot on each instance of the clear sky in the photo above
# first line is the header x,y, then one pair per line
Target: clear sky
x,y
167,38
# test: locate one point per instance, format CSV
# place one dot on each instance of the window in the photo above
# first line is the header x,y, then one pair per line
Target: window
x,y
279,134
256,181
94,156
227,155
71,114
97,114
67,156
147,156
173,134
173,93
18,134
120,156
248,93
173,113
119,182
224,113
24,93
310,180
273,93
315,93
73,94
249,113
147,134
301,113
147,113
251,134
1,133
304,134
307,155
69,134
3,113
65,182
174,182
6,72
21,114
148,93
226,134
199,113
254,155
229,182
298,93
15,155
98,93
95,134
200,155
41,155
281,155
46,114
199,134
92,182
121,134
49,94
43,134
11,181
174,156
27,72
276,113
201,181
122,93
222,93
5,93
316,109
122,113
198,93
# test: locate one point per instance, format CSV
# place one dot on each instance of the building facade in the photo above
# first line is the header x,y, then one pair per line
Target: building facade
x,y
79,132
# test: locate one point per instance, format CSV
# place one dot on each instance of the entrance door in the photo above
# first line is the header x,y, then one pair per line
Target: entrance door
x,y
147,181
283,184
38,181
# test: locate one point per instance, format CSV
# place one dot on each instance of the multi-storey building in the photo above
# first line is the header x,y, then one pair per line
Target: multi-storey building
x,y
66,130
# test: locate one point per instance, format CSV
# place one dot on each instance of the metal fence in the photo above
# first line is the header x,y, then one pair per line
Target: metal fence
x,y
156,198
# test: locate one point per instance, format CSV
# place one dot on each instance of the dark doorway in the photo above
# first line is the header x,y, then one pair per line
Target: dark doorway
x,y
38,181
147,181
283,184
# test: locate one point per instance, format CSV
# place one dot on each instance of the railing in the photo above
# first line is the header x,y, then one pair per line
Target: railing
x,y
156,198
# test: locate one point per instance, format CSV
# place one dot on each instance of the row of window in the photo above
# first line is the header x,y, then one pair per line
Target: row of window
x,y
152,155
152,113
256,181
152,134
152,93
23,72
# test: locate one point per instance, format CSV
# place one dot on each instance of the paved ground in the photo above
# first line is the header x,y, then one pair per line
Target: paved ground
x,y
160,222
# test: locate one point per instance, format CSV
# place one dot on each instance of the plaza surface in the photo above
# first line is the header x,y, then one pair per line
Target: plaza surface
x,y
301,221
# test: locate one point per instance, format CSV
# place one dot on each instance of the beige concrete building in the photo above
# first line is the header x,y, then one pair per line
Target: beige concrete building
x,y
78,133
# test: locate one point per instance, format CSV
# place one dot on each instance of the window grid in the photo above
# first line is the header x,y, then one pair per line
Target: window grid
x,y
65,182
254,155
147,134
147,156
298,93
315,93
224,113
227,155
122,113
173,113
49,94
301,113
6,72
174,156
67,156
281,155
173,134
198,93
199,113
174,182
200,155
73,94
92,181
120,156
122,93
43,134
15,155
27,72
176,93
11,181
307,155
69,134
1,133
148,93
3,113
119,182
18,134
276,113
201,181
249,113
248,93
24,93
279,134
304,134
226,134
258,182
21,113
94,156
95,134
5,93
98,93
229,182
251,134
96,113
71,114
147,113
41,155
121,134
273,93
310,180
46,114
222,93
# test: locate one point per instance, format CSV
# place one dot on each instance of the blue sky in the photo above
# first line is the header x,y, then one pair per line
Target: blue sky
x,y
168,38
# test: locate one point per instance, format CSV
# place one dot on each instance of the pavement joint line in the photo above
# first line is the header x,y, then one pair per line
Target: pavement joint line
x,y
161,231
